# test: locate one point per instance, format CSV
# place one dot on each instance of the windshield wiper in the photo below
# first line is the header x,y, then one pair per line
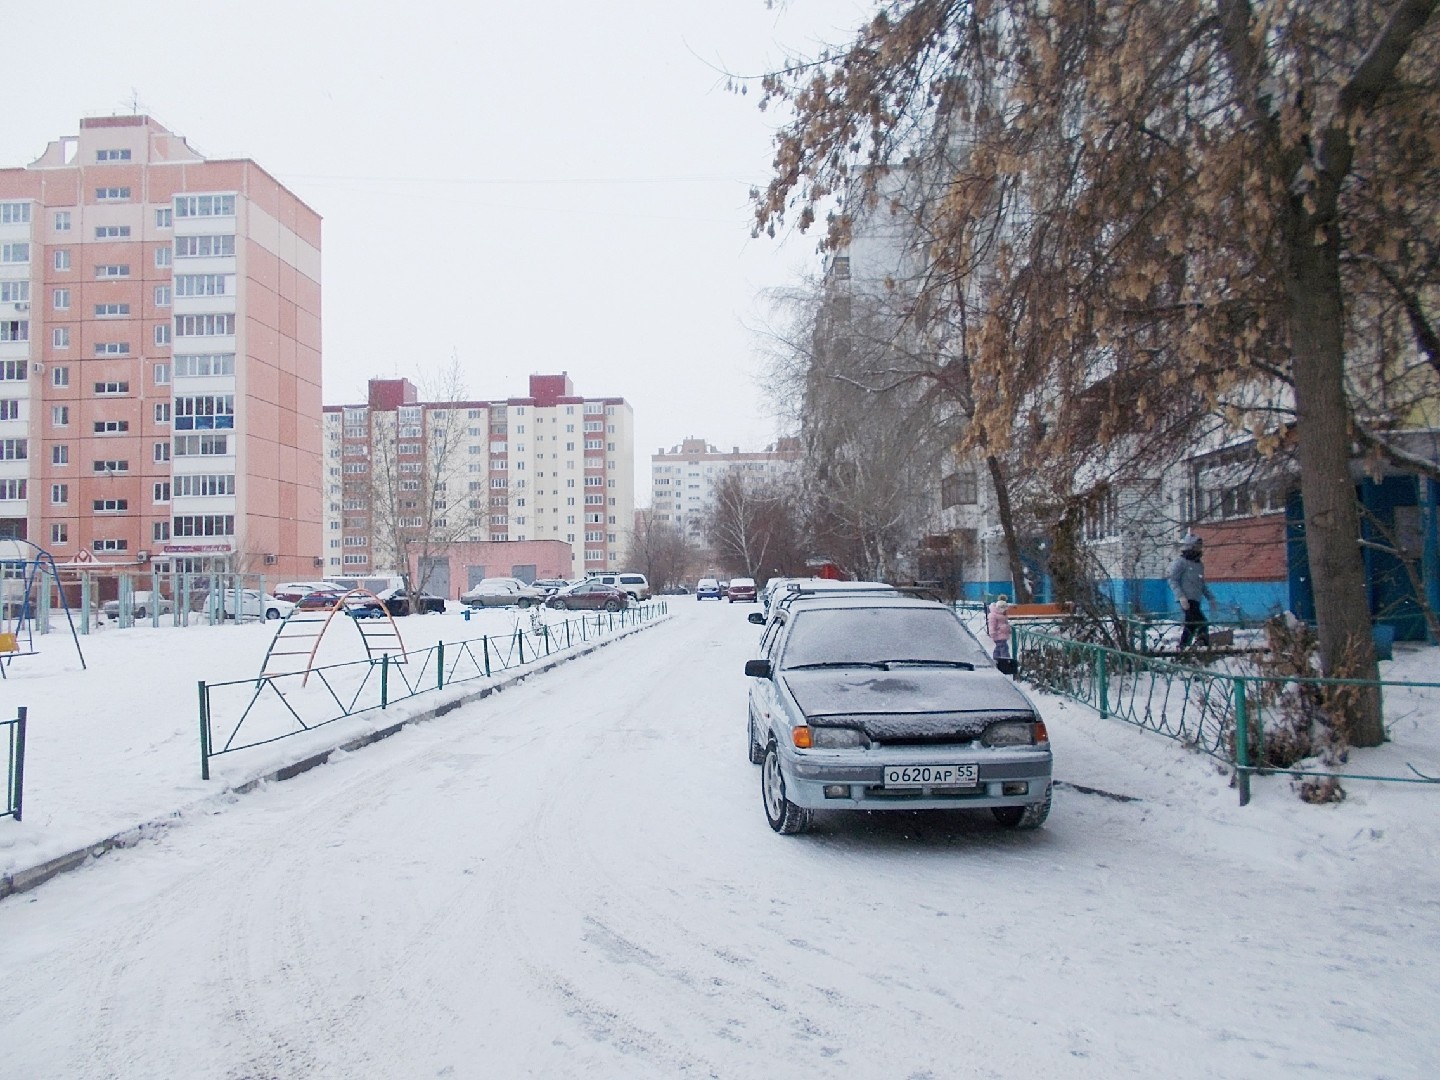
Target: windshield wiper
x,y
965,664
836,663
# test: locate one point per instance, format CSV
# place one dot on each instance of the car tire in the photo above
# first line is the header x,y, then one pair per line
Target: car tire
x,y
556,605
523,602
784,817
272,613
757,751
612,605
1030,816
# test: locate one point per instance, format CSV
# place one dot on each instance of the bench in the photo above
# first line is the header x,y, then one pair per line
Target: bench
x,y
1037,611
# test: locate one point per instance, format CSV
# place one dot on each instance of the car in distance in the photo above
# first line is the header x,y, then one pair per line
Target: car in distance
x,y
497,592
742,589
294,590
254,605
397,602
637,585
876,701
141,604
590,595
707,588
551,585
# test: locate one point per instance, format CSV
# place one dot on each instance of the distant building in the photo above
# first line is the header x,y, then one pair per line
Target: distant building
x,y
551,465
159,356
683,478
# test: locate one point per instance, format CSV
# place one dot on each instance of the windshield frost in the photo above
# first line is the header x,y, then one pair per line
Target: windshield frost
x,y
871,635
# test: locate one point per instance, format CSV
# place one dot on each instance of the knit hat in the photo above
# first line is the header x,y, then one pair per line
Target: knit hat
x,y
1191,543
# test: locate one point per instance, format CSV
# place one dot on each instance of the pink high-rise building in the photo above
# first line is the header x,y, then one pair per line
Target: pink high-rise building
x,y
160,395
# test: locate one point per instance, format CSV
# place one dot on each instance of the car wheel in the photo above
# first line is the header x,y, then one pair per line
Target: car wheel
x,y
272,613
1031,816
784,816
757,752
612,605
523,602
556,605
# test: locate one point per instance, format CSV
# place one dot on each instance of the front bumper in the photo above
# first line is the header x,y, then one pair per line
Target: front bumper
x,y
809,773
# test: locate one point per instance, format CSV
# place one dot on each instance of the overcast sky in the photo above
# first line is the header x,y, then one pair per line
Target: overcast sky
x,y
532,187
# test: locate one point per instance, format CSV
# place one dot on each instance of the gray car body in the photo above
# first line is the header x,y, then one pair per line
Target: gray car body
x,y
914,716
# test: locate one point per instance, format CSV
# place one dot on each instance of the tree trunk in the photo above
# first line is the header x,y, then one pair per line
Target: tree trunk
x,y
1007,526
1332,518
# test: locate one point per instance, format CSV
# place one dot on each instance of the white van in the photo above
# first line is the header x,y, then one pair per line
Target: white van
x,y
634,584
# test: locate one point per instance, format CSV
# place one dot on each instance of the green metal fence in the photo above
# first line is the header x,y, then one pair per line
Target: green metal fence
x,y
245,713
14,764
1219,713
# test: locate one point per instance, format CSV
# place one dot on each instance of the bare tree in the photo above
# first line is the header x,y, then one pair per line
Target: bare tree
x,y
754,527
661,552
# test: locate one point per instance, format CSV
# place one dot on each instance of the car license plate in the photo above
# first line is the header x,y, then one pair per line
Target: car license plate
x,y
914,776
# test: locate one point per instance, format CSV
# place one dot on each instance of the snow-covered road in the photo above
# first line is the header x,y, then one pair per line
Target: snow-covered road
x,y
575,878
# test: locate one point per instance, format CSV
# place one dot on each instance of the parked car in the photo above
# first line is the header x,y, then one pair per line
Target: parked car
x,y
707,588
876,701
318,599
141,603
595,595
254,605
742,589
551,585
781,591
397,602
365,607
503,593
294,590
637,585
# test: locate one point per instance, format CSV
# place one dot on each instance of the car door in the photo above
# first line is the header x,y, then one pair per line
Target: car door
x,y
763,692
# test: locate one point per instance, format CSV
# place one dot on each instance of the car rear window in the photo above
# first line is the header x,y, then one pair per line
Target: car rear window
x,y
631,579
871,635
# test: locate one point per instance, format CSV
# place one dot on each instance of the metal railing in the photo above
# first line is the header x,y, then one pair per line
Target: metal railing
x,y
244,713
1219,713
14,764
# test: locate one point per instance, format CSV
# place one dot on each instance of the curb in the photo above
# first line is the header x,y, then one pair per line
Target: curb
x,y
21,881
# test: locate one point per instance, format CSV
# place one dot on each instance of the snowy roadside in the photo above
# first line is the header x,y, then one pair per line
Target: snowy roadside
x,y
113,746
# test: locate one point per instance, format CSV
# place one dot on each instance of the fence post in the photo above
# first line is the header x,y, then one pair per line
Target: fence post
x,y
485,641
1102,684
1242,743
545,633
567,633
520,639
204,732
20,715
440,665
384,680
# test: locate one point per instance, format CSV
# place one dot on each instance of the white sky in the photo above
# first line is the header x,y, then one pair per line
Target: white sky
x,y
533,187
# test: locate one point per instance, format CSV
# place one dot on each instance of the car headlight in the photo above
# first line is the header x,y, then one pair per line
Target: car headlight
x,y
1010,733
838,738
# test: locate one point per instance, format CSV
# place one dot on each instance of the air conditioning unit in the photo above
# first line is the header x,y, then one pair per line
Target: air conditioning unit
x,y
23,305
38,369
270,560
142,556
319,560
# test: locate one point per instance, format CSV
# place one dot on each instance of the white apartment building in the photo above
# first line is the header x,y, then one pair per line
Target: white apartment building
x,y
683,478
549,466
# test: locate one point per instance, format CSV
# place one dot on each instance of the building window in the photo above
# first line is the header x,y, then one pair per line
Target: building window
x,y
204,206
14,213
112,348
60,337
203,525
162,257
12,489
110,506
162,451
112,155
14,329
14,292
160,492
60,376
199,365
60,455
14,371
202,445
159,531
110,545
201,247
111,389
62,221
59,494
200,412
59,534
959,489
61,259
112,194
204,484
108,232
60,299
204,325
162,412
110,465
17,252
164,218
111,311
204,285
59,415
162,334
112,270
14,450
110,427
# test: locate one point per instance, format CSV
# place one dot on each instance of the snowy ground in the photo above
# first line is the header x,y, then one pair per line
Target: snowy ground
x,y
574,877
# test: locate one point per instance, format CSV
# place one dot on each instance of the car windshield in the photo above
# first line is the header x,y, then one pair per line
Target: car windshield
x,y
880,635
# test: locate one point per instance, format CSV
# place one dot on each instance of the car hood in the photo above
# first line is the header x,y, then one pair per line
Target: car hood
x,y
907,702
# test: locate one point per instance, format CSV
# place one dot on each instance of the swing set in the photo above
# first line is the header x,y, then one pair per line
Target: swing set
x,y
29,579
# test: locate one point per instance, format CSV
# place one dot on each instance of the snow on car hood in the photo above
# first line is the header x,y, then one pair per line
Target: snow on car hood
x,y
907,702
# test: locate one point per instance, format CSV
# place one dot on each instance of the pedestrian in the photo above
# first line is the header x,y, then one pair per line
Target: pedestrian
x,y
997,622
1187,582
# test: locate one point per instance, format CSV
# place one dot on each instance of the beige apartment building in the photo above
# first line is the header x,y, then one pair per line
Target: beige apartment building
x,y
159,357
442,476
683,478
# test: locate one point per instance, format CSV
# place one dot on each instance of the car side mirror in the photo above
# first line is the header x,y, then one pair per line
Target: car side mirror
x,y
757,669
756,617
1008,665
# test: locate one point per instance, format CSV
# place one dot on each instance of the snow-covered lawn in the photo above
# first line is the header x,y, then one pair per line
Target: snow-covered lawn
x,y
575,878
